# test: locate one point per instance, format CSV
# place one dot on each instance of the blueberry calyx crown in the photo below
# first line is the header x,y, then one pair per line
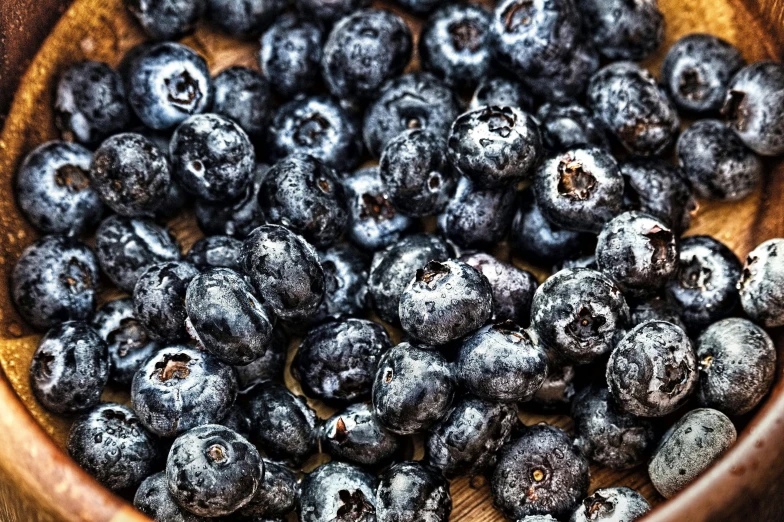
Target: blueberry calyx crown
x,y
355,506
518,14
173,366
500,120
596,507
184,91
585,325
310,130
661,242
465,35
695,276
130,335
73,177
691,86
431,273
574,182
735,109
376,206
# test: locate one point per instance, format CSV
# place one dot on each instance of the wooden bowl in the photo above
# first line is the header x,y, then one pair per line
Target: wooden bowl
x,y
38,481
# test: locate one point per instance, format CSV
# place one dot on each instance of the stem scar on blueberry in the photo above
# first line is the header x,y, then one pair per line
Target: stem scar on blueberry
x,y
597,504
585,325
355,506
173,366
500,120
376,206
130,335
512,331
72,177
45,360
76,276
183,91
465,35
511,19
691,86
574,181
661,242
311,129
695,276
706,363
388,375
735,109
324,185
432,272
217,453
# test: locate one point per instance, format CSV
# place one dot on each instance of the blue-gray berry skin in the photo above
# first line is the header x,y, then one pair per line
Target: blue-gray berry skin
x,y
495,146
557,390
70,368
566,79
697,71
291,53
537,518
54,192
243,96
337,490
501,91
285,271
166,83
345,275
128,341
619,504
55,280
653,370
717,163
477,218
704,287
467,441
354,435
654,308
277,495
445,301
577,312
580,189
215,252
627,100
112,446
569,126
268,367
159,299
244,18
213,471
237,419
761,285
688,448
126,247
623,30
545,469
737,365
608,436
412,101
180,388
234,218
364,50
412,492
327,13
166,19
153,499
419,7
90,103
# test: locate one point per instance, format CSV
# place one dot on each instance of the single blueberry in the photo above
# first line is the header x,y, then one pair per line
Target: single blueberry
x,y
570,126
761,285
159,299
337,490
277,496
354,435
243,95
236,218
412,492
244,18
166,19
290,53
501,91
215,252
623,30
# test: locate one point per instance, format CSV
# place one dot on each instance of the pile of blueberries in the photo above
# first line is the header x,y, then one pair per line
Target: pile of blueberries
x,y
528,122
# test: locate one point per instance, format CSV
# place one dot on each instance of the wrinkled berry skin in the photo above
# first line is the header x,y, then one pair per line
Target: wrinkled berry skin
x,y
243,96
607,436
355,436
345,276
277,495
413,389
70,368
166,83
454,44
338,490
159,299
623,30
226,318
760,286
336,361
557,390
364,50
698,439
328,12
180,388
535,238
53,189
576,313
445,301
213,471
305,195
527,470
153,499
412,101
717,163
90,103
634,109
291,53
166,19
652,371
55,280
495,146
244,18
127,247
412,492
285,271
704,288
215,252
112,446
467,441
737,365
236,218
580,189
570,126
268,367
501,91
317,126
620,504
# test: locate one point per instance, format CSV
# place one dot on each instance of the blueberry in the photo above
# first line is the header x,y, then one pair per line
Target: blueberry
x,y
495,146
704,289
111,445
290,53
285,270
213,471
336,361
620,504
327,13
653,371
623,30
166,83
70,368
336,491
153,499
737,365
654,308
688,448
364,50
570,126
127,247
268,367
355,436
277,496
283,423
501,91
55,280
557,390
580,189
129,343
166,19
53,189
566,79
159,299
412,101
419,6
454,44
236,218
526,470
576,313
317,126
537,518
413,389
627,100
760,285
215,252
226,318
237,419
90,103
345,276
717,163
180,388
243,95
467,441
587,261
412,492
244,18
